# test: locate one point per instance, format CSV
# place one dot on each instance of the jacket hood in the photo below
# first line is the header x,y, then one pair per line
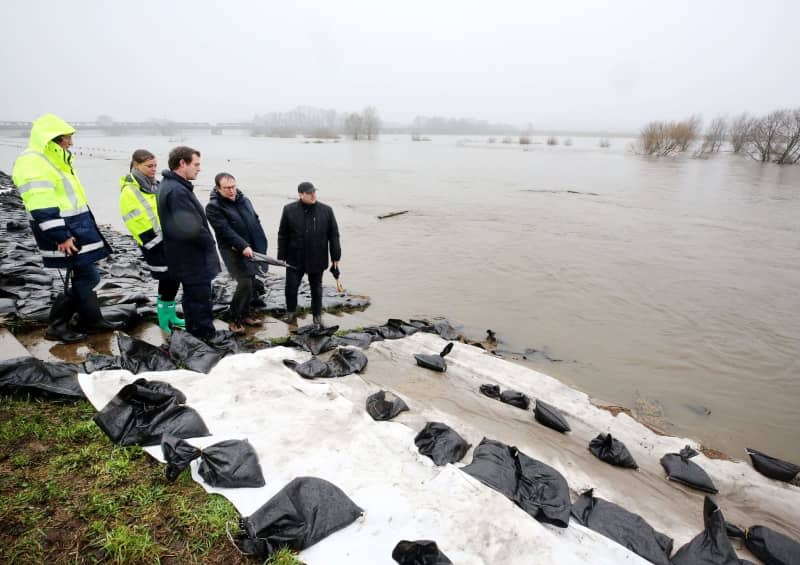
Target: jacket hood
x,y
45,128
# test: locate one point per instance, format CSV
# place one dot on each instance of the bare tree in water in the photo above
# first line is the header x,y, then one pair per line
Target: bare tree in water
x,y
714,137
787,149
764,136
667,138
372,123
739,132
354,125
686,131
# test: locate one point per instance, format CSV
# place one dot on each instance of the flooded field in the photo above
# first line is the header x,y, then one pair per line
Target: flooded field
x,y
667,286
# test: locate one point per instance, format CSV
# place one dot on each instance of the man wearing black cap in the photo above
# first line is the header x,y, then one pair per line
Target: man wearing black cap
x,y
308,231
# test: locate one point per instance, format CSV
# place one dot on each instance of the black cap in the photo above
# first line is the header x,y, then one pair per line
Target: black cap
x,y
306,187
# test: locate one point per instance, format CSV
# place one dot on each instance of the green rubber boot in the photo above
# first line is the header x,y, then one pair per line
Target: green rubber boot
x,y
167,317
162,309
174,321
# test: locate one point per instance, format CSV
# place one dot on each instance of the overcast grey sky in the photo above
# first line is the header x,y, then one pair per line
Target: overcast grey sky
x,y
578,65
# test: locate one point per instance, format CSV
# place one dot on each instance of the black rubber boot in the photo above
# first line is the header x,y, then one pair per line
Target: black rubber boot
x,y
60,314
91,318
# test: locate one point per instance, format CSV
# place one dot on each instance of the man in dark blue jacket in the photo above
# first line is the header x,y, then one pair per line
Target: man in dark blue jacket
x,y
307,232
239,234
188,244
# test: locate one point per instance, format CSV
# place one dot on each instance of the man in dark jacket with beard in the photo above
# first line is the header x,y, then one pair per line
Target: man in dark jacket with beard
x,y
239,234
188,244
307,230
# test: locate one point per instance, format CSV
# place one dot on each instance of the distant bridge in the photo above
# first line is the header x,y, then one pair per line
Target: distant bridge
x,y
162,127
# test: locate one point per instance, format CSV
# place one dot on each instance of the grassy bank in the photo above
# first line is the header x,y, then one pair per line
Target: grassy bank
x,y
68,495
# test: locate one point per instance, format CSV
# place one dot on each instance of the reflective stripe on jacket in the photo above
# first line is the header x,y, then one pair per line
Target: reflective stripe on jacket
x,y
54,197
139,211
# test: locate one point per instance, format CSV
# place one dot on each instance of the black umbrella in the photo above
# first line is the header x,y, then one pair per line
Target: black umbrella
x,y
261,258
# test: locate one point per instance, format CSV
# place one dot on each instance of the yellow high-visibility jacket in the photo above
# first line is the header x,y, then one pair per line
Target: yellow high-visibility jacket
x,y
139,211
54,197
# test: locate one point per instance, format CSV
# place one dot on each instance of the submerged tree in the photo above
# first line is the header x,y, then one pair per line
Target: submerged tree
x,y
371,122
354,125
667,138
714,137
740,131
764,136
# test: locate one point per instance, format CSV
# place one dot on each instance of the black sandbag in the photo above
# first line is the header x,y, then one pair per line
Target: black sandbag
x,y
550,416
139,356
441,443
304,512
538,489
311,369
400,325
772,467
711,546
97,362
231,464
355,339
313,344
384,405
125,313
689,473
434,362
317,330
224,342
33,375
419,552
314,338
624,527
445,330
8,306
178,453
771,547
612,451
385,332
492,391
143,411
515,398
193,353
345,361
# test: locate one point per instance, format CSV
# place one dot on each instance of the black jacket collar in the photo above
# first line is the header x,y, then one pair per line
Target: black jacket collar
x,y
170,175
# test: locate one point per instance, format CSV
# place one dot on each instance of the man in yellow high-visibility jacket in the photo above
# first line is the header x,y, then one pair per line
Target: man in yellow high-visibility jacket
x,y
63,225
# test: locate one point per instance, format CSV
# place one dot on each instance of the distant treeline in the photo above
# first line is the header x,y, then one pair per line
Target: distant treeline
x,y
316,122
458,126
771,138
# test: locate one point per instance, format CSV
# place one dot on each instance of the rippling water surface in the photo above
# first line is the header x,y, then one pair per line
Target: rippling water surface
x,y
668,286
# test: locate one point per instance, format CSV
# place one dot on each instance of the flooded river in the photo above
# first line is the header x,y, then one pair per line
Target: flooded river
x,y
668,286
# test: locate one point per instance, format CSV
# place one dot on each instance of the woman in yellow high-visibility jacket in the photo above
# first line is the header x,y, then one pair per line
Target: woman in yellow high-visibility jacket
x,y
137,205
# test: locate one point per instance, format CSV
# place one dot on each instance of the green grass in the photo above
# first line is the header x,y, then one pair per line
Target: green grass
x,y
130,544
68,495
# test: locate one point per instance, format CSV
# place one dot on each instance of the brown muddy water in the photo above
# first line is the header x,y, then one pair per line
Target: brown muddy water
x,y
668,286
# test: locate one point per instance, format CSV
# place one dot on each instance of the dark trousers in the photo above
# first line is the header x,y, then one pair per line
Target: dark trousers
x,y
240,304
197,309
168,289
293,278
84,279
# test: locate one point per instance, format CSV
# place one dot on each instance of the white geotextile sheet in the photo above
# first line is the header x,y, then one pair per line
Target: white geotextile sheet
x,y
320,428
